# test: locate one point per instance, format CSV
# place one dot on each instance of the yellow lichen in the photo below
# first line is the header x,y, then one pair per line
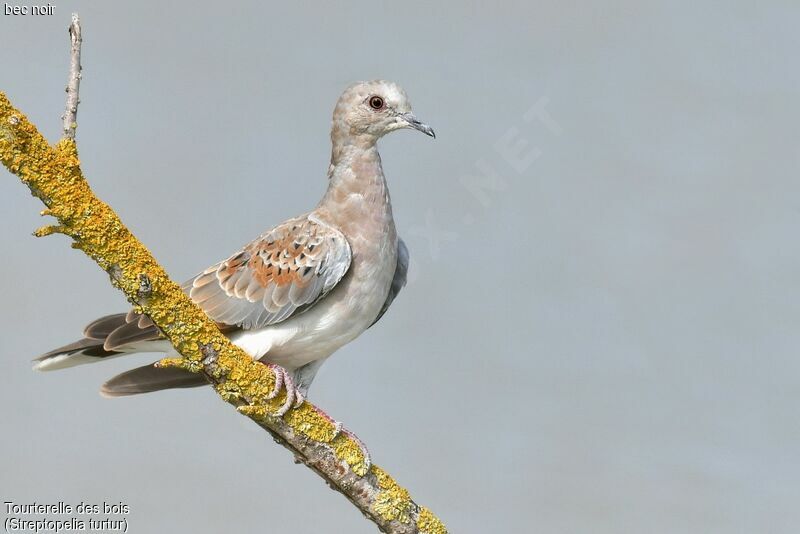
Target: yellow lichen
x,y
347,449
428,523
393,501
256,413
308,421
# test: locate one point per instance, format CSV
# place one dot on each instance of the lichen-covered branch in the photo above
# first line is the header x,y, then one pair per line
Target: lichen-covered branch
x,y
54,176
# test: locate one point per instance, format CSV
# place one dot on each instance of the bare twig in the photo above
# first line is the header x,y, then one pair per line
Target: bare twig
x,y
70,116
53,175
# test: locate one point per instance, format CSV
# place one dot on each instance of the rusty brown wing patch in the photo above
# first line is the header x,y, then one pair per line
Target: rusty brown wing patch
x,y
281,273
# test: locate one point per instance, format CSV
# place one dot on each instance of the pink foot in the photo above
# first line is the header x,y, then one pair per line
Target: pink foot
x,y
283,378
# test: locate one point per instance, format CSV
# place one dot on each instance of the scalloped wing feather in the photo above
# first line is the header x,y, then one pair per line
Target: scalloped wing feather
x,y
281,273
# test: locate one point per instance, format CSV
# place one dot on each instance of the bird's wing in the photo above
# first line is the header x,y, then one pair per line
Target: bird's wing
x,y
284,271
399,280
281,273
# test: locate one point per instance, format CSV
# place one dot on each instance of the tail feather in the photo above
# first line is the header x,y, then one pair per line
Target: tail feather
x,y
149,378
83,351
105,337
102,327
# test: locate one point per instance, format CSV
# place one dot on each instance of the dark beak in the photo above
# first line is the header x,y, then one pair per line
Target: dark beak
x,y
412,122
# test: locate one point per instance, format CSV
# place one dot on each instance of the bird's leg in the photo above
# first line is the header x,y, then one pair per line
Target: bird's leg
x,y
283,378
304,375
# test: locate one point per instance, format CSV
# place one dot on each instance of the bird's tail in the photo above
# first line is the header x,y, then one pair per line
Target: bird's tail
x,y
116,335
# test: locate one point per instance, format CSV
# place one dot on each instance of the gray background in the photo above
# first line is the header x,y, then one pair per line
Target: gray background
x,y
601,338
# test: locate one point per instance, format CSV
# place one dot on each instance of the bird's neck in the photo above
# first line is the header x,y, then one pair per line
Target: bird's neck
x,y
347,146
357,190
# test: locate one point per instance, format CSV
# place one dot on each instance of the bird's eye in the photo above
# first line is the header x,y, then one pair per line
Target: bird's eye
x,y
376,102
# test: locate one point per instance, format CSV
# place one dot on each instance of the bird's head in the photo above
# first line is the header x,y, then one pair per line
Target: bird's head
x,y
373,109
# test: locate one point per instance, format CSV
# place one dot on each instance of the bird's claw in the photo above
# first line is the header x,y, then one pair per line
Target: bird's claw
x,y
362,448
283,378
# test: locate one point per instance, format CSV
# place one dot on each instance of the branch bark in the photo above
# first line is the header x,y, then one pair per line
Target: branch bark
x,y
54,176
70,117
